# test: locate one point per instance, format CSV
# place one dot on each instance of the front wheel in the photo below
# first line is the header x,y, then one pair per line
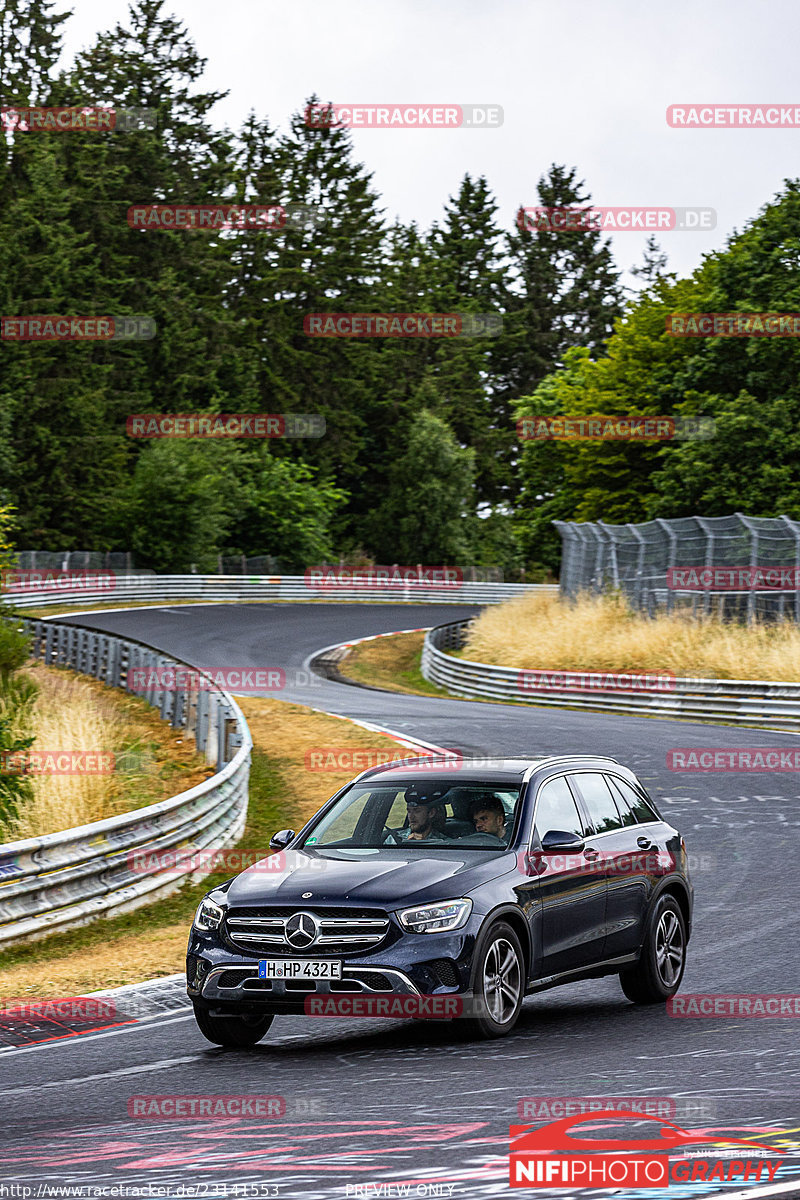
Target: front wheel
x,y
659,971
498,983
238,1030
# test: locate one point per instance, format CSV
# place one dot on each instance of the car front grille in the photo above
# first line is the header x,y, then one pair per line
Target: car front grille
x,y
332,931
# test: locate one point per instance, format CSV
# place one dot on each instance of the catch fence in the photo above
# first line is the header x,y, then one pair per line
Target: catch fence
x,y
738,567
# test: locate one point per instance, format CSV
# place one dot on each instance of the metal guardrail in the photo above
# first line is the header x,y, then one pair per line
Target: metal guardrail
x,y
738,701
67,878
214,588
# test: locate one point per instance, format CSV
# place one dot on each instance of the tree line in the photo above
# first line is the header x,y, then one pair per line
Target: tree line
x,y
420,461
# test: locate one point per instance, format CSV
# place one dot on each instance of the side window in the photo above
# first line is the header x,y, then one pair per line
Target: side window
x,y
627,815
556,809
599,802
340,823
641,810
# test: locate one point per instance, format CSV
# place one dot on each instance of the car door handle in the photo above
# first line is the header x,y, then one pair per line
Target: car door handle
x,y
643,843
590,852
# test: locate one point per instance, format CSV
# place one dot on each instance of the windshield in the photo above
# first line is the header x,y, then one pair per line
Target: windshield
x,y
418,813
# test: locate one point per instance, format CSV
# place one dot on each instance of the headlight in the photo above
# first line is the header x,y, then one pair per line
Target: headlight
x,y
208,915
436,918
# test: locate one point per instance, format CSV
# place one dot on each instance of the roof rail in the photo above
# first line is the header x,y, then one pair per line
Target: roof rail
x,y
531,758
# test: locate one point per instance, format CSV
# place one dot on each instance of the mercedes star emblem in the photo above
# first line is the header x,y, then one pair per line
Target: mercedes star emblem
x,y
302,930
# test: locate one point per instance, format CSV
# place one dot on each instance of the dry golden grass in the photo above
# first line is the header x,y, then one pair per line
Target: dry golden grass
x,y
71,712
603,634
146,954
286,732
151,941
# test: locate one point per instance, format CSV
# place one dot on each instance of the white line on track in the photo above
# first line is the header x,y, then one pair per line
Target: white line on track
x,y
154,607
82,1038
142,1069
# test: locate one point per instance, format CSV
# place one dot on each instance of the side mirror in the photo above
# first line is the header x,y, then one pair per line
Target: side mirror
x,y
281,840
558,840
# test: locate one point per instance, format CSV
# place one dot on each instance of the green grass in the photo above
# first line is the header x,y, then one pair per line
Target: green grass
x,y
393,663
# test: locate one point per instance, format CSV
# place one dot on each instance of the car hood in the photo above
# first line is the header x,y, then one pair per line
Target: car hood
x,y
387,878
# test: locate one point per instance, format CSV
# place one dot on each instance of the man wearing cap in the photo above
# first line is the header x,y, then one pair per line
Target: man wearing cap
x,y
426,817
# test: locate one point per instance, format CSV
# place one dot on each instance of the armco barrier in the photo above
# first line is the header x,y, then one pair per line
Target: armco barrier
x,y
67,878
132,589
739,701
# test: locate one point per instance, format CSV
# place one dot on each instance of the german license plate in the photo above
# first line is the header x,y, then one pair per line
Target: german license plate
x,y
299,968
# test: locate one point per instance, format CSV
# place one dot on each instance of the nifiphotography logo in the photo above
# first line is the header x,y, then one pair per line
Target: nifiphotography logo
x,y
549,1156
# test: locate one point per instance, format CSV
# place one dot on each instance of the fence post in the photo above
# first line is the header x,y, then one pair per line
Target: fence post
x,y
794,529
673,546
708,560
611,542
751,599
637,585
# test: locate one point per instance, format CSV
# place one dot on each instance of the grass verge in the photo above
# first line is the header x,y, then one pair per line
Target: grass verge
x,y
151,761
390,662
151,941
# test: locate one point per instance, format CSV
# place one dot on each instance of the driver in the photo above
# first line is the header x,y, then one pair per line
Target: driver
x,y
489,815
426,817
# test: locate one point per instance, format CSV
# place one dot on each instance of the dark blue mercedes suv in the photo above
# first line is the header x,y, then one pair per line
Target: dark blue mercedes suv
x,y
480,879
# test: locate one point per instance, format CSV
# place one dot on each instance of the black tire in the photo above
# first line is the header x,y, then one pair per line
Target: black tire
x,y
659,971
238,1030
498,957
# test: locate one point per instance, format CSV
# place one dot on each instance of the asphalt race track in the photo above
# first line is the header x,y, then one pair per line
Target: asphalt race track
x,y
408,1103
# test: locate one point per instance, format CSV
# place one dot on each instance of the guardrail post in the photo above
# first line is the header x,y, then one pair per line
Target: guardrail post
x,y
212,727
201,723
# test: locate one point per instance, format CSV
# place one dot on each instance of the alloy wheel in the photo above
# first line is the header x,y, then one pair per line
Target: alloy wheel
x,y
502,980
669,948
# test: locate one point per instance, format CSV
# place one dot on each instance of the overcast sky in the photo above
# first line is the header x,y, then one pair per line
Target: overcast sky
x,y
584,83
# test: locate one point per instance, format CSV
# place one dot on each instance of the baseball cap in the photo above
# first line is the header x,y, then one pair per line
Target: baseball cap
x,y
419,794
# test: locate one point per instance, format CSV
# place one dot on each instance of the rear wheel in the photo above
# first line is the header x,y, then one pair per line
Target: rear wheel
x,y
659,971
236,1029
498,983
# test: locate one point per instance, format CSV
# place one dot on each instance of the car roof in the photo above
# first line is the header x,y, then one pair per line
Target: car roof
x,y
514,768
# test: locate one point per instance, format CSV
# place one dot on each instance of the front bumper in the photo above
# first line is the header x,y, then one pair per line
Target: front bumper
x,y
412,964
